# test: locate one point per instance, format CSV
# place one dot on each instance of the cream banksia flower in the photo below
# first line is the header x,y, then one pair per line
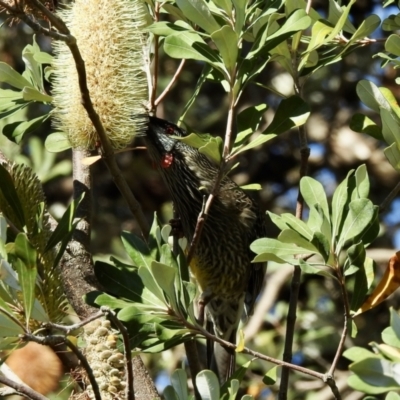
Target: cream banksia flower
x,y
111,39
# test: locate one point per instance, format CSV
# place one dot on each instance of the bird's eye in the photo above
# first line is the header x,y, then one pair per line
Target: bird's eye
x,y
169,130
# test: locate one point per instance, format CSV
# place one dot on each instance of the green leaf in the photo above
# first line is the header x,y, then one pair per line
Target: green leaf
x,y
271,376
12,77
9,99
339,18
137,249
278,221
290,113
10,194
56,142
363,280
356,353
290,236
261,139
392,45
65,229
372,232
125,283
362,181
33,68
30,93
391,335
164,28
213,149
367,26
390,127
371,96
27,271
392,396
164,276
392,153
16,130
248,121
277,248
240,14
297,21
9,328
226,40
151,284
376,375
225,5
360,215
179,383
272,35
321,242
356,255
174,11
314,193
311,269
362,124
391,99
251,186
170,394
43,58
207,144
207,385
298,225
198,12
189,45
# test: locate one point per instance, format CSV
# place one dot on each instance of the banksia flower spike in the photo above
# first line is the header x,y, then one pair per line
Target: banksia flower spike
x,y
111,39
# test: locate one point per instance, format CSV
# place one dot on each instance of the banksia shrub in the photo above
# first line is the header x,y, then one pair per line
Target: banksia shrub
x,y
111,40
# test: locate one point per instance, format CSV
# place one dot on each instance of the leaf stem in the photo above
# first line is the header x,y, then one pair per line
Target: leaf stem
x,y
346,317
170,84
389,198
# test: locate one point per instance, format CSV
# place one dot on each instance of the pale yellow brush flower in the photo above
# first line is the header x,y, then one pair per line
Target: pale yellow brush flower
x,y
111,40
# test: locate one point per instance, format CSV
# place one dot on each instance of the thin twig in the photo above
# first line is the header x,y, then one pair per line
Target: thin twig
x,y
170,84
395,191
295,285
54,19
33,24
130,394
327,378
87,367
22,389
67,329
346,317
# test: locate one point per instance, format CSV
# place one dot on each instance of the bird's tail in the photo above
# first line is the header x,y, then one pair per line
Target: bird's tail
x,y
223,360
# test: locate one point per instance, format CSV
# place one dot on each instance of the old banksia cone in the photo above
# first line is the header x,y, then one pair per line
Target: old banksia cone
x,y
111,40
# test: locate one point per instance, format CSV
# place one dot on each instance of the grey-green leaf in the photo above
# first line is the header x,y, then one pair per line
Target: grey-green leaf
x,y
290,113
226,40
198,12
27,271
314,193
57,141
360,215
12,77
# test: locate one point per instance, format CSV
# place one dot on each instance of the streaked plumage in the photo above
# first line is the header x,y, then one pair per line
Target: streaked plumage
x,y
222,260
